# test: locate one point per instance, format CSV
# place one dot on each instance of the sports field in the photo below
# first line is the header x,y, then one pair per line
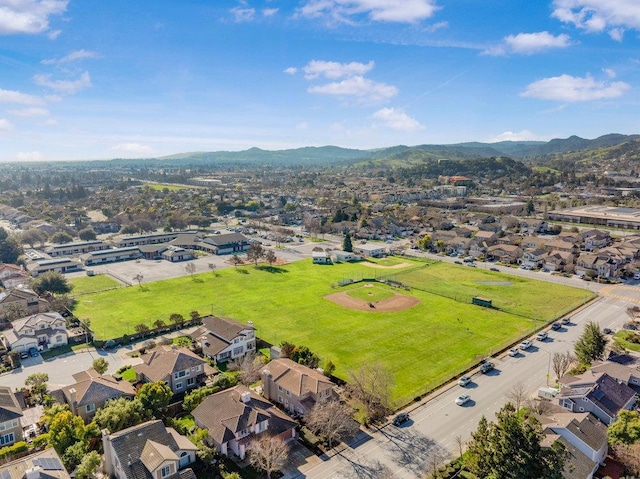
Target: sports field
x,y
423,345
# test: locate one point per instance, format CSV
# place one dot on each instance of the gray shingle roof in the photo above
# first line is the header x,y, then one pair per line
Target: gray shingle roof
x,y
161,362
9,406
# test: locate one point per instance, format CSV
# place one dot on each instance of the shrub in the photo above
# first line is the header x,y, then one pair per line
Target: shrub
x,y
16,448
40,441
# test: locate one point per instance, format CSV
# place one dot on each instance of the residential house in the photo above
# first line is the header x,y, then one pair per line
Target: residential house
x,y
583,430
478,249
180,368
23,301
570,237
370,250
563,246
533,259
458,245
576,464
597,265
532,243
488,237
235,416
320,257
72,249
504,253
595,239
224,339
10,414
597,393
622,368
559,261
41,330
58,265
45,464
91,391
296,387
147,451
12,276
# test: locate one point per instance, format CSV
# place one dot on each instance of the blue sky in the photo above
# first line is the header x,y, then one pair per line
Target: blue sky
x,y
147,78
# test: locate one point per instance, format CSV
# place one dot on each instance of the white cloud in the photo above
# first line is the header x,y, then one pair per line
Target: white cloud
x,y
343,11
291,70
529,43
573,89
73,56
12,96
335,70
54,34
524,135
243,14
269,12
365,90
63,87
610,72
29,156
51,122
28,16
30,112
596,16
397,120
302,126
5,125
132,148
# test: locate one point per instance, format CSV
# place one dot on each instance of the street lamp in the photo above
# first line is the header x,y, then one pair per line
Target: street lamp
x,y
548,363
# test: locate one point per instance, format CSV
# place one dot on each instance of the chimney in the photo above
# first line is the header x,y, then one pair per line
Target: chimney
x,y
106,447
245,397
72,394
32,473
250,325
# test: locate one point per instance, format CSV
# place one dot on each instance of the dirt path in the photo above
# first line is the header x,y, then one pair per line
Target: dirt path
x,y
399,302
379,266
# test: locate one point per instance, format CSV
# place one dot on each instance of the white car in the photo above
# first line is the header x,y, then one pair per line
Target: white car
x,y
463,399
542,335
526,344
513,352
464,380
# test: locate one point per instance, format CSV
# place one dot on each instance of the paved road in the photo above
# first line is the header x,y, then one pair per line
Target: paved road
x,y
430,436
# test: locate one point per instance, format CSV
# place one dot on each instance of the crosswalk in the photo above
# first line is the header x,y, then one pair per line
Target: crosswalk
x,y
621,292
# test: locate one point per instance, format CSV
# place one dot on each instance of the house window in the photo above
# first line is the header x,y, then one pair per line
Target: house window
x,y
289,393
181,374
199,368
165,471
279,398
59,339
190,381
7,439
179,385
91,407
8,424
581,409
238,351
280,388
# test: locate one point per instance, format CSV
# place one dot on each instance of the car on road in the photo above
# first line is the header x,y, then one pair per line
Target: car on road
x,y
565,321
463,399
464,380
471,265
457,262
513,352
486,367
607,331
526,344
555,326
542,335
494,269
33,352
400,418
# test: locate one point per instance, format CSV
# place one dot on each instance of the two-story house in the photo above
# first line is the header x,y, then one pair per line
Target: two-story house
x,y
533,259
235,416
597,393
45,464
597,264
10,414
559,261
22,300
224,339
505,253
296,387
91,391
42,330
180,368
595,239
12,276
147,451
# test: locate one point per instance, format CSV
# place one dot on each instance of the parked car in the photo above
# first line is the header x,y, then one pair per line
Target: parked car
x,y
400,418
494,269
565,321
607,331
457,262
526,344
463,399
513,352
486,367
464,380
471,265
24,355
542,335
33,352
555,326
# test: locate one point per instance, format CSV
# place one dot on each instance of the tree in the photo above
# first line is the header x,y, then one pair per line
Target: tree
x,y
120,413
176,319
212,267
255,252
530,208
190,268
139,277
61,237
88,465
268,453
626,429
517,394
33,236
303,355
347,244
158,323
371,385
591,345
70,437
38,384
561,362
270,257
286,349
142,329
629,456
510,448
329,368
100,365
154,396
331,420
87,234
249,368
236,260
51,282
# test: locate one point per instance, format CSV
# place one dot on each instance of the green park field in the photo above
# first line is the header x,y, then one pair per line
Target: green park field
x,y
423,346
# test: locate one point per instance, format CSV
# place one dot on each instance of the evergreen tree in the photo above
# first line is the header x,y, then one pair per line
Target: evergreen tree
x,y
347,244
591,345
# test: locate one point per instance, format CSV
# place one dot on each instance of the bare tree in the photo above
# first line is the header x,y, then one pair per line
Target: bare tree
x,y
190,268
270,257
255,252
460,443
236,260
249,367
268,453
561,363
437,456
371,384
517,394
139,277
629,455
332,420
537,405
212,267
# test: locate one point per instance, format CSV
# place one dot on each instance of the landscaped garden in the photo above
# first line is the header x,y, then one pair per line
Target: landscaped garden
x,y
439,335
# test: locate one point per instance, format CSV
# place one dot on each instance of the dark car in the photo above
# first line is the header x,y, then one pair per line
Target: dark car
x,y
33,352
458,262
494,269
607,331
486,367
556,326
400,418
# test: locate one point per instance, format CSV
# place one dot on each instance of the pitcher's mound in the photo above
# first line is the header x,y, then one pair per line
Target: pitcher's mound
x,y
398,302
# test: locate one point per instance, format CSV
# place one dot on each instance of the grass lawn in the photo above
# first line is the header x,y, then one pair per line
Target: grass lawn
x,y
422,346
372,294
129,374
91,284
162,187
